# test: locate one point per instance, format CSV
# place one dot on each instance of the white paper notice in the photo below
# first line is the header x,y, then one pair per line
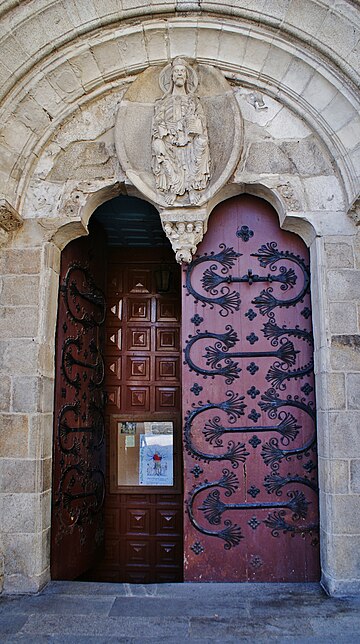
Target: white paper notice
x,y
156,459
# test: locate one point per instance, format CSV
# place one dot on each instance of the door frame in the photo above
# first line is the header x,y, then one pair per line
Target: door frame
x,y
300,225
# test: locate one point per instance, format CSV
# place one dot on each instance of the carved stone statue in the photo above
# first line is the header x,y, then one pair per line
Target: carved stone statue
x,y
184,238
180,145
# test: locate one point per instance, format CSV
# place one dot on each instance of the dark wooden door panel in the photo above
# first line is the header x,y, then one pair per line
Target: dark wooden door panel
x,y
248,397
143,527
79,447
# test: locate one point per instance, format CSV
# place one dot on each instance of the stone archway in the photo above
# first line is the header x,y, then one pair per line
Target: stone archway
x,y
301,112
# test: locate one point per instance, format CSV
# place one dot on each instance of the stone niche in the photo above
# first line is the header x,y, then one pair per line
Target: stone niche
x,y
134,132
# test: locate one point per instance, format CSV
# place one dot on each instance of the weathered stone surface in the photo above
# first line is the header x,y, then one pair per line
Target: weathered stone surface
x,y
324,193
87,160
19,290
343,318
339,255
335,391
355,476
344,285
17,475
346,512
268,157
334,475
18,322
19,356
19,262
341,555
353,390
344,433
306,157
41,435
345,352
14,433
5,389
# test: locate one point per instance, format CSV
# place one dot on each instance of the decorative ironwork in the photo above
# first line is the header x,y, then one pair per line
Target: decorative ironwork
x,y
274,482
197,319
197,548
253,392
269,255
256,561
95,430
219,352
271,402
307,389
272,454
253,491
276,522
277,374
251,314
231,533
80,275
287,427
244,233
196,389
236,452
252,368
252,338
80,495
79,486
227,301
273,332
196,471
255,441
309,466
213,508
254,415
215,352
68,361
305,312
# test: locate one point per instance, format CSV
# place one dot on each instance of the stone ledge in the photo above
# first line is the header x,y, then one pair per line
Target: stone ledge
x,y
340,587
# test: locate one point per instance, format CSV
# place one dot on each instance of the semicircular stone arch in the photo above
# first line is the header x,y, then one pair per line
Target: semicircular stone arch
x,y
63,70
255,59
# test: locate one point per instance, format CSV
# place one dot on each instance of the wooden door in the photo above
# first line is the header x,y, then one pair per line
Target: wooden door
x,y
249,404
143,529
79,448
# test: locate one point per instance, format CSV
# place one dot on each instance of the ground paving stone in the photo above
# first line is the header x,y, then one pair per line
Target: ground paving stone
x,y
79,612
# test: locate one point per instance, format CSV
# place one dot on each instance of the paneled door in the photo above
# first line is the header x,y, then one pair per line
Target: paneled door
x,y
79,428
249,402
143,508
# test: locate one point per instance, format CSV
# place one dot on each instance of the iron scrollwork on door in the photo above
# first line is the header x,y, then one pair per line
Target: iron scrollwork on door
x,y
276,353
80,490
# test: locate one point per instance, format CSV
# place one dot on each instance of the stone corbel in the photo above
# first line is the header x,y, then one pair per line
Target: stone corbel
x,y
185,229
354,212
10,220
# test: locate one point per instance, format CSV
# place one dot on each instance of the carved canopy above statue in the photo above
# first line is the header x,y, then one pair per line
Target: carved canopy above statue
x,y
178,134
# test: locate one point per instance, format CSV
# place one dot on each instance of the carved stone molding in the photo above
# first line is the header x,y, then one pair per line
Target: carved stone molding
x,y
185,229
10,219
354,212
287,192
179,133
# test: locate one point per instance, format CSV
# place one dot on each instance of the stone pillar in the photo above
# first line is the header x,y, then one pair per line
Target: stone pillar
x,y
338,403
28,303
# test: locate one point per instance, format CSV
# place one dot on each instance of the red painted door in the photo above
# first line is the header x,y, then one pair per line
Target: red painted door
x,y
249,404
79,448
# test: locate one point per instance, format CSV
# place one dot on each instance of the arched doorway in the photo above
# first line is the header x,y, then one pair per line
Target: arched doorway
x,y
247,396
